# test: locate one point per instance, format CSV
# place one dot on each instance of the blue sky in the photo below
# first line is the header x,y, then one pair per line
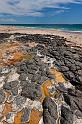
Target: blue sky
x,y
40,11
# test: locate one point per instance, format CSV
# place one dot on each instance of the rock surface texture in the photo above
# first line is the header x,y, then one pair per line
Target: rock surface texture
x,y
40,80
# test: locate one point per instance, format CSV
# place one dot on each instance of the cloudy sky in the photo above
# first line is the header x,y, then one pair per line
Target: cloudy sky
x,y
40,11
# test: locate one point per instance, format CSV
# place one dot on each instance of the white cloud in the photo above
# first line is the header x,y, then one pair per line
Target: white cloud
x,y
31,7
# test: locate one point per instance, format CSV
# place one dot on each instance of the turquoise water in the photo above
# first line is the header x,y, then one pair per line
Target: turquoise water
x,y
65,27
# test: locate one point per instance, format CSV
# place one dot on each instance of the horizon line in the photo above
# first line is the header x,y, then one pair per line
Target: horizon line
x,y
41,23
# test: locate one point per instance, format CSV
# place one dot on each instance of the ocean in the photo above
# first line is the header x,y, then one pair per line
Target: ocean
x,y
64,27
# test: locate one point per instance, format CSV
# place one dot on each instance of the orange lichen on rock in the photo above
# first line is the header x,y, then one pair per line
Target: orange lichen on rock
x,y
45,89
35,117
7,109
57,75
7,94
17,57
10,47
11,53
17,119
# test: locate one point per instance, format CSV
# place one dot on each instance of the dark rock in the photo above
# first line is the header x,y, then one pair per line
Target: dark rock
x,y
43,78
79,72
34,67
64,68
78,64
79,87
49,111
14,91
72,67
79,78
61,62
2,96
74,99
19,101
67,62
76,57
22,68
78,113
68,54
31,71
31,91
78,67
11,86
23,83
47,118
67,99
80,58
69,75
54,53
23,76
50,76
4,35
30,76
61,88
75,92
26,115
66,115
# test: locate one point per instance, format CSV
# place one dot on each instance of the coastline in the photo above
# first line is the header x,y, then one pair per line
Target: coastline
x,y
72,37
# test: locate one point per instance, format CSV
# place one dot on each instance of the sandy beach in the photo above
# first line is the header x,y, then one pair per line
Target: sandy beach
x,y
74,37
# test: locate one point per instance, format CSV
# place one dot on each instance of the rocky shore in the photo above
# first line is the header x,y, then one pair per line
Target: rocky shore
x,y
40,80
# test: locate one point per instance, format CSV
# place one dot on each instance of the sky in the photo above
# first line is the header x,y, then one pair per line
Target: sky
x,y
40,11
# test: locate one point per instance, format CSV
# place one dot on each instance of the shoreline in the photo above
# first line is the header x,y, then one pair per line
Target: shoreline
x,y
72,37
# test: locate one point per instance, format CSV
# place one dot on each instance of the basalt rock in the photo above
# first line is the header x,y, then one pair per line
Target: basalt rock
x,y
2,96
3,36
49,111
74,100
26,115
12,87
31,91
66,115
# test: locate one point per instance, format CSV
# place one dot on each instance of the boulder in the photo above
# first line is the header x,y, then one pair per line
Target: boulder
x,y
49,111
66,115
